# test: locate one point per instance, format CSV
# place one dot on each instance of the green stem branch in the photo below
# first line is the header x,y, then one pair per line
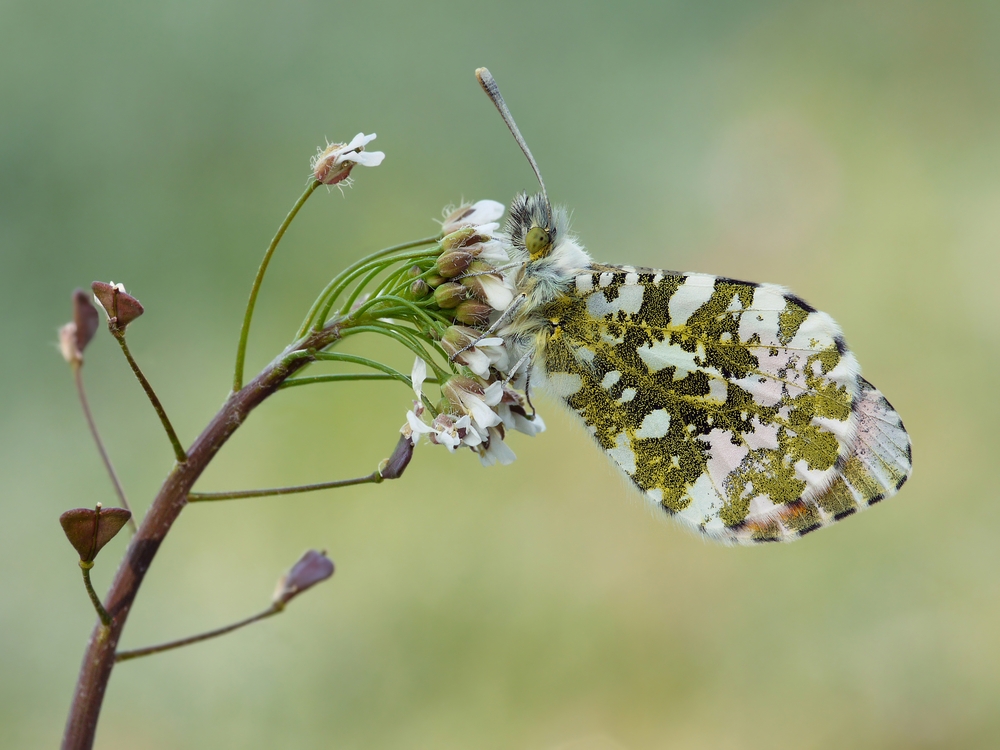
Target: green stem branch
x,y
241,349
199,497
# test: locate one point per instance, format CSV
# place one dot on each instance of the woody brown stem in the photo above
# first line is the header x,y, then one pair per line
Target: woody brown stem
x,y
99,659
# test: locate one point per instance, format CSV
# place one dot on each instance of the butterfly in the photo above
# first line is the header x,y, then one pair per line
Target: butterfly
x,y
733,406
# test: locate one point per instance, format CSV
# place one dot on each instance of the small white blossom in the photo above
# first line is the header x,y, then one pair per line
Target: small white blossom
x,y
334,163
496,450
478,214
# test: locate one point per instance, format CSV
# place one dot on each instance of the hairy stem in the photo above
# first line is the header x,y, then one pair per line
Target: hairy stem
x,y
241,349
119,490
137,652
99,659
119,334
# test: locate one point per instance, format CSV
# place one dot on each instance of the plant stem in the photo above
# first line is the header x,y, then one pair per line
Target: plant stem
x,y
137,652
198,497
324,302
78,379
241,349
339,378
119,334
98,661
102,613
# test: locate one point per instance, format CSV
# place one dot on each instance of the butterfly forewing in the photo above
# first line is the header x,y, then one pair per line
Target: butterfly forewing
x,y
734,406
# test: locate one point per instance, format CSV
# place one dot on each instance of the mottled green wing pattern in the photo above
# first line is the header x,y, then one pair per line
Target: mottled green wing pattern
x,y
734,406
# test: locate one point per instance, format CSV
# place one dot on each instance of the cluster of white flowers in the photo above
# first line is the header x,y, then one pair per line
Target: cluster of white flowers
x,y
483,407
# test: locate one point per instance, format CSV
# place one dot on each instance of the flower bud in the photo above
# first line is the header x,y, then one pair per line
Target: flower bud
x,y
419,288
85,318
473,312
120,306
450,295
89,530
457,338
454,263
434,281
394,466
458,238
312,568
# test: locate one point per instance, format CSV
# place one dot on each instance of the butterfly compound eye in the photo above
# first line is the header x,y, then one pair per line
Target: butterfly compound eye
x,y
537,242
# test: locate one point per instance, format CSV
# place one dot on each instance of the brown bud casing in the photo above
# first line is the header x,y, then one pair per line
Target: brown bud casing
x,y
89,529
120,306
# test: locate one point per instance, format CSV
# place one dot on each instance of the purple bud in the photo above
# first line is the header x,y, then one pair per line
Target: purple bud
x,y
312,568
394,466
85,317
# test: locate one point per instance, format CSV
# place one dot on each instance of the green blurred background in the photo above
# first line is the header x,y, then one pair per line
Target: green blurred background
x,y
847,150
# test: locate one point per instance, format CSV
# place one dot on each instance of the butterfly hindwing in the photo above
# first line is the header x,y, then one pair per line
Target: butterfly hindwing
x,y
734,406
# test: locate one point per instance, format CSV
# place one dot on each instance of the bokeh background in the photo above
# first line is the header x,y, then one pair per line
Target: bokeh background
x,y
847,150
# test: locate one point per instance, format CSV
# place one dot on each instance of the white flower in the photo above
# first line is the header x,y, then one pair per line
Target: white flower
x,y
480,214
497,292
516,419
496,450
473,400
334,163
417,378
465,346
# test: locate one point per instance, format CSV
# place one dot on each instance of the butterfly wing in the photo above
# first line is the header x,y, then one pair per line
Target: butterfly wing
x,y
734,406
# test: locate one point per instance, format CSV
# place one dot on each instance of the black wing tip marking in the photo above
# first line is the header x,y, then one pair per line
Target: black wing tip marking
x,y
800,302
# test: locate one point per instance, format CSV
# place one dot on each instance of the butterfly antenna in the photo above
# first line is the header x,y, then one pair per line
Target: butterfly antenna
x,y
493,92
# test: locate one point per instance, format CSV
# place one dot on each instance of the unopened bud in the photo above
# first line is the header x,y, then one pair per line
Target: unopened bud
x,y
457,338
394,466
88,530
473,312
454,263
414,271
458,238
450,295
312,568
419,288
85,318
434,281
119,305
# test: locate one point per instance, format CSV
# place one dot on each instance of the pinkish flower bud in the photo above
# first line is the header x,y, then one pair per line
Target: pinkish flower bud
x,y
450,295
89,530
419,288
312,568
120,306
335,162
473,313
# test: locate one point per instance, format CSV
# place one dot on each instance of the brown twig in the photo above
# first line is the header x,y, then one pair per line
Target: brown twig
x,y
99,659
